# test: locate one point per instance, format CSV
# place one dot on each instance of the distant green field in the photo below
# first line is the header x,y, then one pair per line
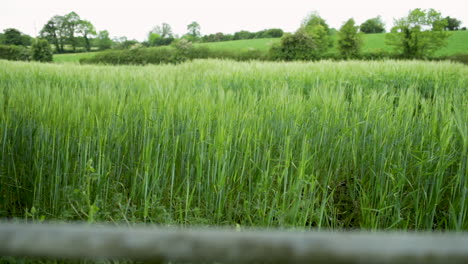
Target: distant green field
x,y
457,44
243,45
71,57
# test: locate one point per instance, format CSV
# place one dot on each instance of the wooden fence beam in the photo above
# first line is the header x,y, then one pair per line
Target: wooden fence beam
x,y
81,241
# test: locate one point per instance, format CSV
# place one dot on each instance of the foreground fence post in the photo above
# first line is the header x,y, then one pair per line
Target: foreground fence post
x,y
77,241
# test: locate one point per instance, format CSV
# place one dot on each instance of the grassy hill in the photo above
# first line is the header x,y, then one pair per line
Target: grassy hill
x,y
244,44
457,44
72,57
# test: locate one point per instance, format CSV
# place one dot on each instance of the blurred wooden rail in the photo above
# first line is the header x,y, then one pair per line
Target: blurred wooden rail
x,y
80,241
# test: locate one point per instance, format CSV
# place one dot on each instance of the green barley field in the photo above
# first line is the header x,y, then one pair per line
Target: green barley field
x,y
339,145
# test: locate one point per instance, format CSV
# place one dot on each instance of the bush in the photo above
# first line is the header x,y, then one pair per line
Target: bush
x,y
158,55
349,40
14,53
180,51
378,55
463,58
41,51
297,46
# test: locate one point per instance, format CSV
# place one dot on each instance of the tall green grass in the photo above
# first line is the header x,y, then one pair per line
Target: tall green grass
x,y
377,145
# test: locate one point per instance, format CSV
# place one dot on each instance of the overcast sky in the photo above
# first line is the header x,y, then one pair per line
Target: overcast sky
x,y
134,18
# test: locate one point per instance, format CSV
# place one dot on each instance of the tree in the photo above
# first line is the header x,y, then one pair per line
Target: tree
x,y
419,34
86,29
319,30
41,50
54,31
322,39
373,25
349,40
217,37
194,29
452,24
124,43
297,46
271,33
314,19
103,40
71,22
165,30
12,36
153,39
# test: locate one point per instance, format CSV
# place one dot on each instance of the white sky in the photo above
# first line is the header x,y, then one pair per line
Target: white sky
x,y
135,18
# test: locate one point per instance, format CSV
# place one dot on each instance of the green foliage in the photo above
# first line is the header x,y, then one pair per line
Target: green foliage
x,y
103,40
54,32
419,34
217,37
243,34
313,20
349,40
13,52
124,43
87,30
194,30
12,36
322,39
180,51
270,33
153,39
165,31
462,58
319,30
373,25
298,46
161,35
160,55
183,48
452,24
71,30
373,48
70,24
41,51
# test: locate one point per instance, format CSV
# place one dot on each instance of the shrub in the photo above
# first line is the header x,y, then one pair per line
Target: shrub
x,y
463,58
41,51
378,54
349,40
180,51
373,25
14,53
133,56
297,46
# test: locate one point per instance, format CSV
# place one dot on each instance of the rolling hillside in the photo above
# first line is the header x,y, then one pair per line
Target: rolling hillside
x,y
457,44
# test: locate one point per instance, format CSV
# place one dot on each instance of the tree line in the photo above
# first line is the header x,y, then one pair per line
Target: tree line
x,y
415,36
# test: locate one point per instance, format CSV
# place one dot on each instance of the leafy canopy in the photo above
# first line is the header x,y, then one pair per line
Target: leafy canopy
x,y
318,29
349,40
419,34
373,25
